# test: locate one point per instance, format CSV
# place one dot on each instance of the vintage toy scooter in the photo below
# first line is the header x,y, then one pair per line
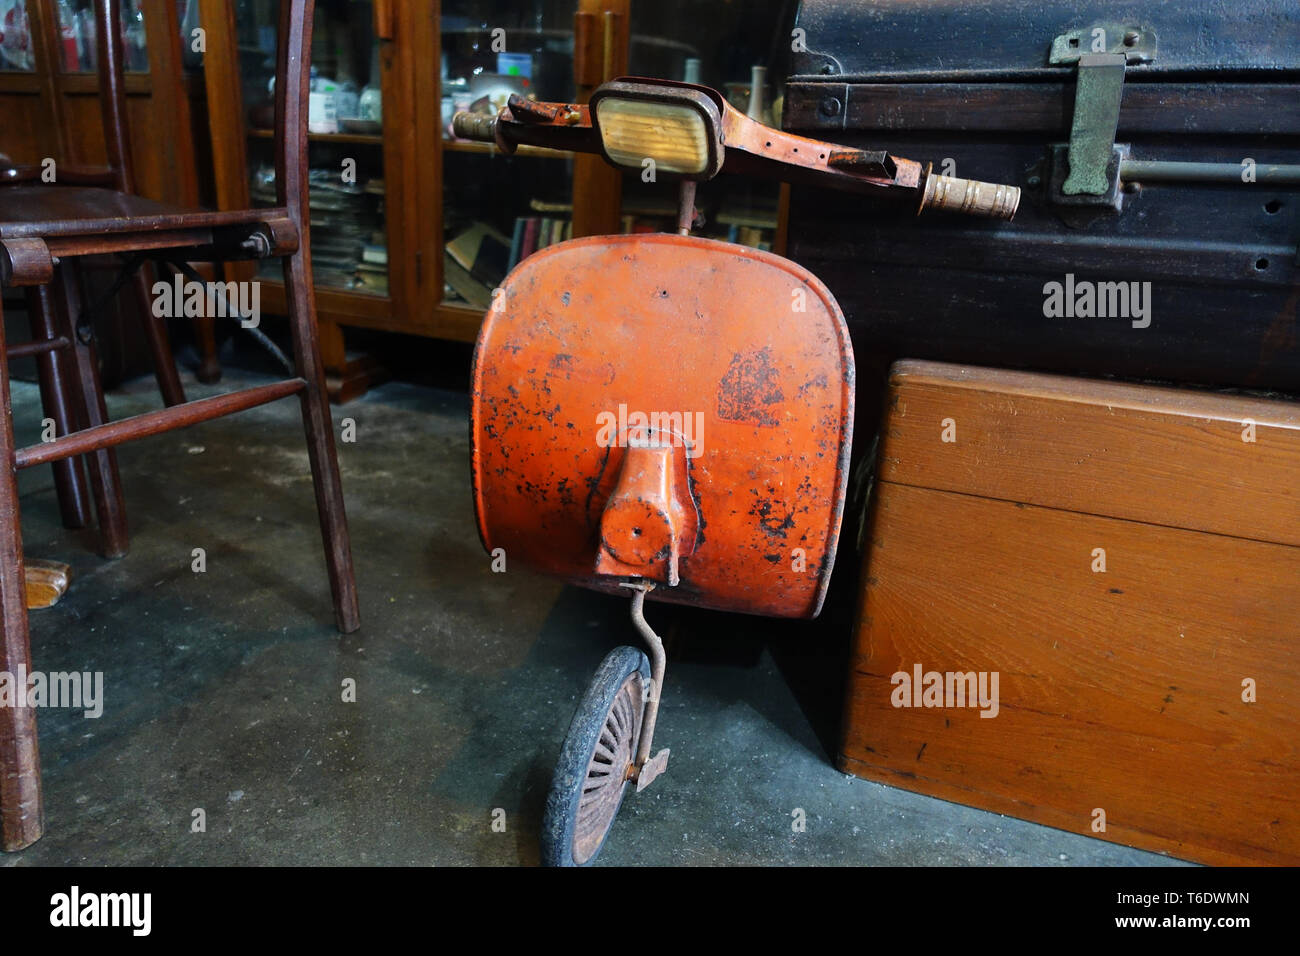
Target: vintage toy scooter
x,y
666,415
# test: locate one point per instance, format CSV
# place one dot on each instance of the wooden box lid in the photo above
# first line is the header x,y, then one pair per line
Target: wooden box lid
x,y
1198,460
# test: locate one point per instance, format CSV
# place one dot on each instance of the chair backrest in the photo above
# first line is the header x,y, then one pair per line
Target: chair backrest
x,y
112,92
292,88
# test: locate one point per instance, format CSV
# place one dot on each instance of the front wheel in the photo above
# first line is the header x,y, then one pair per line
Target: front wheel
x,y
598,753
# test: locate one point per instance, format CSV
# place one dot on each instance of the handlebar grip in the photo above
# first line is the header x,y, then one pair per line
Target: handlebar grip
x,y
969,196
476,126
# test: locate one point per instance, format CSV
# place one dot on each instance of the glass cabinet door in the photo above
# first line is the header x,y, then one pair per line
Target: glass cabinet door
x,y
739,49
349,239
16,54
497,209
76,49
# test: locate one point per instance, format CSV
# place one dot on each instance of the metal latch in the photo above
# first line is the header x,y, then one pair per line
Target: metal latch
x,y
1094,168
1086,172
1092,172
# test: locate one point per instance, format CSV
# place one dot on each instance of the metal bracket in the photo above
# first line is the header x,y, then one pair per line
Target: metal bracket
x,y
1059,168
870,162
815,63
651,769
1137,44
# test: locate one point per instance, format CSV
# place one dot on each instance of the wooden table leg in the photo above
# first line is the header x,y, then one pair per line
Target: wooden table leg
x,y
21,812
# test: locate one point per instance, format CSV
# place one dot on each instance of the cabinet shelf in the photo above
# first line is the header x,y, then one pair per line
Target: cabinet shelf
x,y
488,149
373,139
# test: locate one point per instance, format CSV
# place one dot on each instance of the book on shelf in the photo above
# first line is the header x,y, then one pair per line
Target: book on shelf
x,y
483,252
517,242
543,206
532,228
462,282
371,278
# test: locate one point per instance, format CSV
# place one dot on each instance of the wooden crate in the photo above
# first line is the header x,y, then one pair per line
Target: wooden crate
x,y
1119,690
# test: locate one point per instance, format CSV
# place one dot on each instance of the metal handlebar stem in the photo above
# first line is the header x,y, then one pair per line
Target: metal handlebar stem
x,y
644,770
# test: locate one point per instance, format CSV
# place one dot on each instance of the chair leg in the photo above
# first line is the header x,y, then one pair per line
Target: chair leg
x,y
21,811
53,373
105,482
205,331
155,330
320,441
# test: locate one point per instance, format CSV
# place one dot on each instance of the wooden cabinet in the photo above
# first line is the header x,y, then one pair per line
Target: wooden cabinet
x,y
382,214
49,104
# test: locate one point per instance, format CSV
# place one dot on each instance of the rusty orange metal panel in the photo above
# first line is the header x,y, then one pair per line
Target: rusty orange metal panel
x,y
742,357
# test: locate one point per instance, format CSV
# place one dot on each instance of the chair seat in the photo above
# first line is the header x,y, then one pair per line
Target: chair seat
x,y
47,212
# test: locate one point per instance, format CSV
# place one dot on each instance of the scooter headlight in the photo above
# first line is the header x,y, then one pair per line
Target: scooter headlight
x,y
674,127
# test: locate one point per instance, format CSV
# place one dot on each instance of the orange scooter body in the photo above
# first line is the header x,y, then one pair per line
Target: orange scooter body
x,y
665,408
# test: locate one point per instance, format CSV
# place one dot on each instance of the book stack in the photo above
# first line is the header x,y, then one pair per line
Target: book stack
x,y
372,272
346,220
537,232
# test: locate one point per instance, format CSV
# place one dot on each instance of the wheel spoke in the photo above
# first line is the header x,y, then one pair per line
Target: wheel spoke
x,y
601,789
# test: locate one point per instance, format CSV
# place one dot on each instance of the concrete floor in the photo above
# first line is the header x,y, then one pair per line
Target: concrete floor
x,y
223,689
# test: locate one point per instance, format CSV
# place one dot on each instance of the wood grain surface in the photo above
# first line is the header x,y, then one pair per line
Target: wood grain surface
x,y
1119,690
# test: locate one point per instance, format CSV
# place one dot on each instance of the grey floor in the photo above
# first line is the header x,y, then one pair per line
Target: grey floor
x,y
223,688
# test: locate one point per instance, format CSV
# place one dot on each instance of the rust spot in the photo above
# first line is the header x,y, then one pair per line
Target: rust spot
x,y
773,525
750,387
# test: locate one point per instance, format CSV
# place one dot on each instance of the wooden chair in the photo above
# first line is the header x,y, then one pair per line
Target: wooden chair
x,y
53,369
42,232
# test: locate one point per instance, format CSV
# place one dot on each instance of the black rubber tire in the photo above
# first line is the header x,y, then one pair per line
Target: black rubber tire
x,y
560,822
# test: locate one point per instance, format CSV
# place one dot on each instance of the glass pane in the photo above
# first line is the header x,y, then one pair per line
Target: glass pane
x,y
739,49
77,51
187,16
498,209
349,240
494,47
15,37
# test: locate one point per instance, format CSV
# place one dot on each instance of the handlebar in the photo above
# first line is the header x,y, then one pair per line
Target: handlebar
x,y
748,147
481,127
969,196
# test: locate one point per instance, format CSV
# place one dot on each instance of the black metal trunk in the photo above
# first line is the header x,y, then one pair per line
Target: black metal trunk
x,y
988,90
